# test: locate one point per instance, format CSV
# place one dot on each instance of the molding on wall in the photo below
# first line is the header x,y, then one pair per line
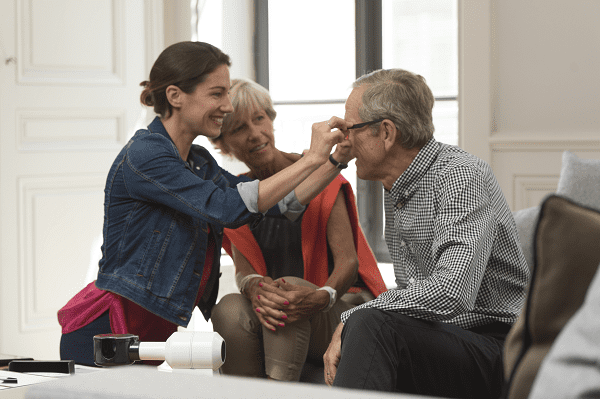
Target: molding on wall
x,y
544,144
528,190
76,129
36,194
41,66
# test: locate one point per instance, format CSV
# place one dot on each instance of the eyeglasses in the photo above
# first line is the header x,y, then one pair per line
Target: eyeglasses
x,y
359,125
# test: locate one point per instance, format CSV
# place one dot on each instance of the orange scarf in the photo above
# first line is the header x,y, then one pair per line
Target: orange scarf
x,y
314,241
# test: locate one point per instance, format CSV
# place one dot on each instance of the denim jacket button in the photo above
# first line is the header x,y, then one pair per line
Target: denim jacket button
x,y
183,318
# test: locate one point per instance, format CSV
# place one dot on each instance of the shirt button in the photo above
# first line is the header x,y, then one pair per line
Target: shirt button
x,y
411,280
183,318
197,167
402,243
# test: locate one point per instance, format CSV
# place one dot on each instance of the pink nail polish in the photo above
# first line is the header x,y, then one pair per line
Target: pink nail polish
x,y
284,317
282,280
281,325
260,284
258,296
286,303
258,310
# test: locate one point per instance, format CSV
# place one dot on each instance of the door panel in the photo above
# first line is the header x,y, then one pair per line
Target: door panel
x,y
67,105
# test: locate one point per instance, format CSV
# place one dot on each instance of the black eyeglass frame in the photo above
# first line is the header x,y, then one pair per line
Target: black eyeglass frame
x,y
359,125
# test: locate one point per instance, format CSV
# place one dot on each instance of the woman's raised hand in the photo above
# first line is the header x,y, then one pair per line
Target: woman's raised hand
x,y
325,135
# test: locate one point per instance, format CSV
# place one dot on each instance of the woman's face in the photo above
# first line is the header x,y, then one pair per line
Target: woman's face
x,y
202,111
251,140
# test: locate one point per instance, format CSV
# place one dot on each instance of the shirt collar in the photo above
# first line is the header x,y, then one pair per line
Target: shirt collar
x,y
157,127
408,181
196,158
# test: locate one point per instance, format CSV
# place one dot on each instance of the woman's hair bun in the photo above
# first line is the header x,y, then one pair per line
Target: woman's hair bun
x,y
146,96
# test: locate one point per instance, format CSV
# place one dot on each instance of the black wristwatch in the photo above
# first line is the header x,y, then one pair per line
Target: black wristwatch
x,y
337,164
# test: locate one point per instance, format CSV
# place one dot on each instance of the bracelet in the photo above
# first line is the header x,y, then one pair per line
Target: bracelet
x,y
245,280
337,164
332,297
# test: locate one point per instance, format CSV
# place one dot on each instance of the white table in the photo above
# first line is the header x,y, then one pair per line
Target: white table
x,y
132,382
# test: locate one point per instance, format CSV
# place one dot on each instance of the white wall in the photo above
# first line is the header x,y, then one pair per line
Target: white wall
x,y
530,82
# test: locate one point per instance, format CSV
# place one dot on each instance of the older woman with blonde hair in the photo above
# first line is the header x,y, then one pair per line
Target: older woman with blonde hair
x,y
295,277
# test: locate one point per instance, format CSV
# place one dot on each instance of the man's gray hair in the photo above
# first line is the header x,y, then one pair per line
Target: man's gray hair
x,y
402,97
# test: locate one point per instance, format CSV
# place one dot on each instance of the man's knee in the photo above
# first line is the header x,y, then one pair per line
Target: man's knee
x,y
365,316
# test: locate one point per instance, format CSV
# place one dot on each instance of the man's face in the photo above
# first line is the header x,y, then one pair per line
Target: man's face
x,y
366,147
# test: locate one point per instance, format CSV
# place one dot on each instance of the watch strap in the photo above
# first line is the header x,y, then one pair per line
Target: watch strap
x,y
337,164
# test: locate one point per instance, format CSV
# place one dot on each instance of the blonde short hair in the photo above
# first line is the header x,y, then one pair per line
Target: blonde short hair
x,y
246,97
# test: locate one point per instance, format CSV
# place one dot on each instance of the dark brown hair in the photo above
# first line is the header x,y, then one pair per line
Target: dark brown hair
x,y
183,64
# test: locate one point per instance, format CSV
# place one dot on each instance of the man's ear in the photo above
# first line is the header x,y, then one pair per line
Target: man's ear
x,y
174,96
389,133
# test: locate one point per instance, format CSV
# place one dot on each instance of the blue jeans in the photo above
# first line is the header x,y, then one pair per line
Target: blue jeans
x,y
79,344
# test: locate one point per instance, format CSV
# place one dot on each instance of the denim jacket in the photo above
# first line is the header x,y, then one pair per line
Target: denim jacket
x,y
157,214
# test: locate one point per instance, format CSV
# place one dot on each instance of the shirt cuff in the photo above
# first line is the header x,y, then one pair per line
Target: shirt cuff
x,y
288,206
291,207
249,192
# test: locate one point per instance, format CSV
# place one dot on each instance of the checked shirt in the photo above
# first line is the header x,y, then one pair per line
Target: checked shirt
x,y
453,243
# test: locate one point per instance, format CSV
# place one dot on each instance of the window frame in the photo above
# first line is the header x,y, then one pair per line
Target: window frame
x,y
369,42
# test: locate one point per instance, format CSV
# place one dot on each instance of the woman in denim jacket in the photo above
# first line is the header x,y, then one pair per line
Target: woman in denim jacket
x,y
167,202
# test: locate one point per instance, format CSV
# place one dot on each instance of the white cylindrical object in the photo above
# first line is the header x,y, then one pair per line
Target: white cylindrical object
x,y
152,351
187,350
195,350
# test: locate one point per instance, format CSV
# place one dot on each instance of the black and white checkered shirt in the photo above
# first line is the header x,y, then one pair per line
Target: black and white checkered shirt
x,y
453,242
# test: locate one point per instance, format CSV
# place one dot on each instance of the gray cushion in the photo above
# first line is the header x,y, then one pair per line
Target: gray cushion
x,y
580,180
526,220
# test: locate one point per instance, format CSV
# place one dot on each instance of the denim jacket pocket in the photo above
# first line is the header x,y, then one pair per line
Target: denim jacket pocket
x,y
150,254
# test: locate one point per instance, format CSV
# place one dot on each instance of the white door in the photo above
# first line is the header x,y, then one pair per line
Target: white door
x,y
69,100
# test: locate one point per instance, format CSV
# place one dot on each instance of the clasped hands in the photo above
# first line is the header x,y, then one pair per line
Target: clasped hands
x,y
277,302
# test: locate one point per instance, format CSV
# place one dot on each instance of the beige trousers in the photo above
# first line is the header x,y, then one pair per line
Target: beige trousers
x,y
253,350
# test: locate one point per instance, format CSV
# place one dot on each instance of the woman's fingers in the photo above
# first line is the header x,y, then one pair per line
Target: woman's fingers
x,y
323,139
338,123
269,317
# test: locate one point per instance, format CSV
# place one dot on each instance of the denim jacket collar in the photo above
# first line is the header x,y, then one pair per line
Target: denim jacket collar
x,y
194,157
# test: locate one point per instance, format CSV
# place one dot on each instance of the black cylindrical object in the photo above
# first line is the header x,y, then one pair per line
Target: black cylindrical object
x,y
116,349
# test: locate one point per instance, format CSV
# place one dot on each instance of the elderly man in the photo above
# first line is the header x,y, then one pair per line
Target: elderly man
x,y
460,272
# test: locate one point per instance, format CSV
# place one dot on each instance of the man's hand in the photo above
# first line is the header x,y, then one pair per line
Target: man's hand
x,y
331,358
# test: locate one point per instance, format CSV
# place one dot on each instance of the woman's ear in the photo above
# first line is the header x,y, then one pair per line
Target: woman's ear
x,y
389,132
174,96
